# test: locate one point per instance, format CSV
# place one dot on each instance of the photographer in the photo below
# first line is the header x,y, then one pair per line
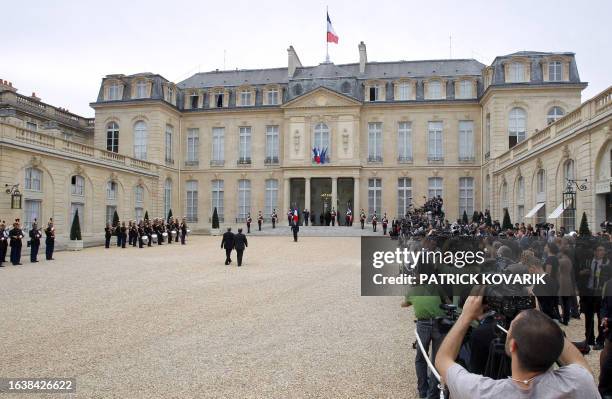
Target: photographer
x,y
534,343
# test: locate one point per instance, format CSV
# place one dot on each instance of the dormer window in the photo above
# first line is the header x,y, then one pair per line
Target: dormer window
x,y
170,94
272,96
516,72
245,98
113,92
374,92
555,71
465,89
434,90
141,89
404,91
194,99
219,100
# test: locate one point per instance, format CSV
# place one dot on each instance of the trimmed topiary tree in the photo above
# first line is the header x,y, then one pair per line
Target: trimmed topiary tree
x,y
169,215
584,230
215,219
115,219
506,224
75,230
146,215
475,217
465,217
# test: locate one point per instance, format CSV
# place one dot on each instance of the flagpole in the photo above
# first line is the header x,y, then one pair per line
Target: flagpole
x,y
326,41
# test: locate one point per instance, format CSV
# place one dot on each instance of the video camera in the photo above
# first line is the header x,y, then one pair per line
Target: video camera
x,y
508,300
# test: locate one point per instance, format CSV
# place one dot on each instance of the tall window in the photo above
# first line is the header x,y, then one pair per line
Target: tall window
x,y
244,198
404,91
141,89
466,196
504,196
487,193
192,200
541,186
169,131
487,136
167,196
77,185
112,137
272,96
110,212
245,98
219,99
138,202
244,147
435,187
553,114
32,126
466,140
32,210
404,195
375,142
517,72
404,142
555,71
113,92
218,145
435,151
194,100
74,207
516,126
111,190
434,89
217,198
272,144
520,199
374,196
271,196
193,145
465,89
33,179
321,137
140,140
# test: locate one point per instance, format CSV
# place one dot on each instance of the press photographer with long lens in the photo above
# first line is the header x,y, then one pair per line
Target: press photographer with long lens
x,y
534,343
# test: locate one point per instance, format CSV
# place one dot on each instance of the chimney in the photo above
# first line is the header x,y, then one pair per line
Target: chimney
x,y
293,62
5,85
363,57
34,97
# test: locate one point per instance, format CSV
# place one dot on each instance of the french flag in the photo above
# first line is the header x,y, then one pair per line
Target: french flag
x,y
316,155
331,34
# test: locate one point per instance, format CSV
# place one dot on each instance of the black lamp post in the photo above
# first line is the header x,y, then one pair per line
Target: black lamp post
x,y
15,194
569,195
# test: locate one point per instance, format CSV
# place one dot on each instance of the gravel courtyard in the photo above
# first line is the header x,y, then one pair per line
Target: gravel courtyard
x,y
174,322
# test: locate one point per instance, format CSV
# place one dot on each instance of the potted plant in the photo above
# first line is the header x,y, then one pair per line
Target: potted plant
x,y
215,223
76,241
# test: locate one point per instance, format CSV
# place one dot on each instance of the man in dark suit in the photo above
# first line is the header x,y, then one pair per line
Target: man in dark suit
x,y
227,243
295,229
240,243
3,242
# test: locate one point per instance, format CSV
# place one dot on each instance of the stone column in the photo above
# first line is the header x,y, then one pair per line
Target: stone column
x,y
307,193
356,204
286,195
334,193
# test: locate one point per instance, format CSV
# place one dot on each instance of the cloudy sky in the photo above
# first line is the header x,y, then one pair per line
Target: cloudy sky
x,y
61,49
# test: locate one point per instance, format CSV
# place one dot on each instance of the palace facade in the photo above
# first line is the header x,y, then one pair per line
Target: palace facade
x,y
371,135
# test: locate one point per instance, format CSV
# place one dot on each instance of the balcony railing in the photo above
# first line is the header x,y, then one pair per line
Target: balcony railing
x,y
375,158
217,162
404,159
19,135
435,158
192,163
467,158
169,161
244,161
271,161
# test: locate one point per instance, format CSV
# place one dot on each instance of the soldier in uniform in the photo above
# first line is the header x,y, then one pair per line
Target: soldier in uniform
x,y
3,242
141,233
249,220
227,243
259,220
306,215
170,228
348,217
108,233
123,232
385,221
15,236
362,218
295,229
117,232
149,232
183,231
290,216
333,217
374,221
240,243
160,232
34,242
274,216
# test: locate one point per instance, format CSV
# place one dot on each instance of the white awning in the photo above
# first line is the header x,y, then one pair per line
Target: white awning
x,y
534,210
557,212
